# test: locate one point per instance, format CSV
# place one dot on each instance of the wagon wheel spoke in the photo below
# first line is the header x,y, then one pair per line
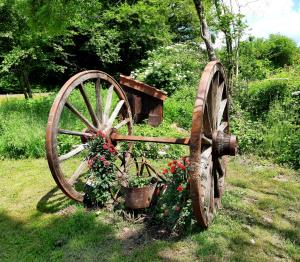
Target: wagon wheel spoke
x,y
223,105
99,112
222,126
80,116
72,153
83,165
219,167
122,123
107,105
89,106
207,126
74,133
114,115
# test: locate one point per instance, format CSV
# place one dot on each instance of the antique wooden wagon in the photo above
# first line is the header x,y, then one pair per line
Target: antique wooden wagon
x,y
107,108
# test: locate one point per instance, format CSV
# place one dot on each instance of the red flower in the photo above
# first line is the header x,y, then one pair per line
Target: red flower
x,y
112,150
174,161
182,166
100,133
172,170
90,162
165,171
105,146
102,158
180,188
170,163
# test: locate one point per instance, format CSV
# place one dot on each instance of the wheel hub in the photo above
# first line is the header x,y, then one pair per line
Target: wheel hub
x,y
224,144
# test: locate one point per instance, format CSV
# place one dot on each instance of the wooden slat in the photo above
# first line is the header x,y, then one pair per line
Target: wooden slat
x,y
99,112
144,88
114,115
223,126
124,122
88,105
78,172
72,153
221,111
73,133
108,104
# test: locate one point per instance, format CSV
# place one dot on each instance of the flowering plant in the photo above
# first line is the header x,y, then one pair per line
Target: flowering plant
x,y
101,178
174,205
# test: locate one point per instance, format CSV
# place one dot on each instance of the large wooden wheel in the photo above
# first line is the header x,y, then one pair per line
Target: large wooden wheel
x,y
209,143
88,102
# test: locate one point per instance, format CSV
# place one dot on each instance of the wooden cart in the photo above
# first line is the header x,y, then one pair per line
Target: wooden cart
x,y
209,140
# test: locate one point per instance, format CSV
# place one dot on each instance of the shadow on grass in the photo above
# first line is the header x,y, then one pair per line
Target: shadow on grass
x,y
53,201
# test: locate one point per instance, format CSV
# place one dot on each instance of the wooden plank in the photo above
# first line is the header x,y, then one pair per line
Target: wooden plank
x,y
144,88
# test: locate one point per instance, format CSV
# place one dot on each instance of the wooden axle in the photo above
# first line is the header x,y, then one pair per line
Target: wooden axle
x,y
164,140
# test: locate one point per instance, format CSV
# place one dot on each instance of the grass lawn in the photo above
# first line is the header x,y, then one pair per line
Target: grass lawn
x,y
260,221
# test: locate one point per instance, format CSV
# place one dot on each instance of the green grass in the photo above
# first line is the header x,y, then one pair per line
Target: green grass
x,y
260,221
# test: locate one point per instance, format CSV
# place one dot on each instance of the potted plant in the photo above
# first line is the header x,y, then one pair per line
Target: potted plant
x,y
140,187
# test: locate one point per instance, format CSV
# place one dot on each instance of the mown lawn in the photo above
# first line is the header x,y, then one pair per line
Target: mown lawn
x,y
260,221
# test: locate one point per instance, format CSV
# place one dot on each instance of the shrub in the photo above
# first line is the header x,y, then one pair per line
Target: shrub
x,y
173,67
179,108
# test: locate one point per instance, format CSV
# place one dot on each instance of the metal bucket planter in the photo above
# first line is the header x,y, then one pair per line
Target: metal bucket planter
x,y
139,197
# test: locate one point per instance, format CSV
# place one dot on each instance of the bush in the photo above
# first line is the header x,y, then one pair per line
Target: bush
x,y
179,108
173,67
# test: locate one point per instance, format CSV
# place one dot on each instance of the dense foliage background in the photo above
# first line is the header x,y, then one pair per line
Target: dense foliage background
x,y
43,43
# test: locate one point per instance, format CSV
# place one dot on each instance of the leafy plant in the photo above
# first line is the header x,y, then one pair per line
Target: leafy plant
x,y
174,207
139,181
101,177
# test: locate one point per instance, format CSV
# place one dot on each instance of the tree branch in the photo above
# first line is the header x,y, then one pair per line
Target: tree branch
x,y
205,34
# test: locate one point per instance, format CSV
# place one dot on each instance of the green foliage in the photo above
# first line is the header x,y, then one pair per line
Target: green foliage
x,y
172,67
139,181
249,132
22,125
259,57
261,94
281,50
155,150
266,117
177,111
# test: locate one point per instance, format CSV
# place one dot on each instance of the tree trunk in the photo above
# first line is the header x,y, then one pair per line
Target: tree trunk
x,y
24,83
204,30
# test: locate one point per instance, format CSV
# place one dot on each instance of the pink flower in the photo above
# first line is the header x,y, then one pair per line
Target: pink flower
x,y
180,188
106,163
105,146
102,158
